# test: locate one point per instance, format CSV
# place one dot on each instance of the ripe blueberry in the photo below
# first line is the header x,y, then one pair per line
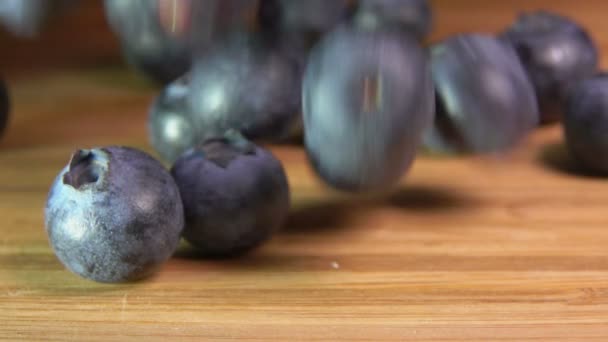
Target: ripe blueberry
x,y
235,195
170,125
113,214
485,101
557,54
367,98
586,123
244,85
413,15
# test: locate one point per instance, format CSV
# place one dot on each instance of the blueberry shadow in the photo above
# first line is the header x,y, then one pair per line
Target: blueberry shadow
x,y
321,216
556,157
430,199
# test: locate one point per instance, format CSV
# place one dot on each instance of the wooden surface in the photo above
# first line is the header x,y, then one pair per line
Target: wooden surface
x,y
467,249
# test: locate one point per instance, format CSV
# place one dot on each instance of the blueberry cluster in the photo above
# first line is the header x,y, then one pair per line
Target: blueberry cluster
x,y
354,76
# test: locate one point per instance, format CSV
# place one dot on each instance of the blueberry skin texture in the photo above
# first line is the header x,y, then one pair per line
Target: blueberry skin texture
x,y
415,16
246,85
235,195
486,102
4,107
367,98
170,124
586,123
113,215
557,54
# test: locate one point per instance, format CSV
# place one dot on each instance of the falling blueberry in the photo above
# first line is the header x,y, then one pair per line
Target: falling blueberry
x,y
586,123
557,53
4,107
413,15
114,214
243,84
367,98
235,195
171,127
485,101
26,18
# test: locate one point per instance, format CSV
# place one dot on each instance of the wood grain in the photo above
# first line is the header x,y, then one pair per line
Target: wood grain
x,y
467,249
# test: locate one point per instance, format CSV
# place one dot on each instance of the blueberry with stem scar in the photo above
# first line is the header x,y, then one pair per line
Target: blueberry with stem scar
x,y
586,123
557,54
235,195
367,98
486,102
114,215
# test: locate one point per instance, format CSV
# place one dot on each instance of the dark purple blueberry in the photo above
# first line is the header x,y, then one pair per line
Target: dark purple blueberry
x,y
557,54
171,127
412,15
586,123
235,195
367,98
485,101
4,107
114,214
243,84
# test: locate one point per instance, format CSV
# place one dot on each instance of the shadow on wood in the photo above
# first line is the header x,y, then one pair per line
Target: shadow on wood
x,y
556,157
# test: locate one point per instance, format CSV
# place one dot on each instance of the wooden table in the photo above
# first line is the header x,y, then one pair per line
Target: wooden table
x,y
467,249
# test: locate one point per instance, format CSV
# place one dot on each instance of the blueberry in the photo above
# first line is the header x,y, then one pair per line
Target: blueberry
x,y
243,84
114,214
26,18
486,102
4,107
171,127
367,98
557,53
413,15
155,37
586,123
316,16
235,195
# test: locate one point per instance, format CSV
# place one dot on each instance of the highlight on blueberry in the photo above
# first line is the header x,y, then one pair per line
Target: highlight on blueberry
x,y
246,85
586,123
414,16
235,195
557,54
170,125
485,101
367,98
113,214
4,106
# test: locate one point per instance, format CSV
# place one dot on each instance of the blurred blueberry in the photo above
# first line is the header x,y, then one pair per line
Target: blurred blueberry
x,y
316,16
160,37
114,214
4,106
171,128
586,123
367,98
235,195
485,101
246,85
26,18
557,53
413,15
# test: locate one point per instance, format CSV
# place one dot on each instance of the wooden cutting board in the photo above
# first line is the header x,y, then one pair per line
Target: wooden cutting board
x,y
467,249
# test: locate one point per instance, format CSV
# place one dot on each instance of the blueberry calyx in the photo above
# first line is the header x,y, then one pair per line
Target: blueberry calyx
x,y
85,168
224,149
